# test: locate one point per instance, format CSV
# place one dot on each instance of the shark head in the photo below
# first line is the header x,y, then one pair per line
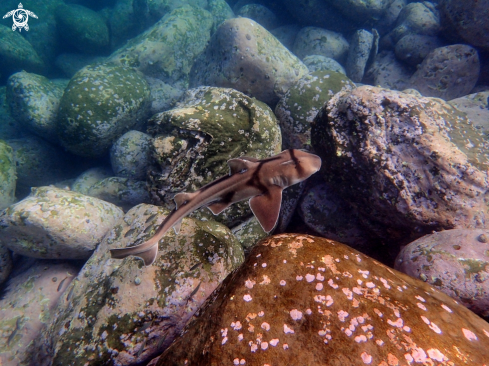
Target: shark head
x,y
294,167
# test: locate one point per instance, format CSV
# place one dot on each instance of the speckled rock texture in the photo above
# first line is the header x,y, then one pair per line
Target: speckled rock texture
x,y
358,54
409,165
82,28
297,109
130,155
6,263
9,128
122,311
476,106
17,54
413,48
466,20
244,56
53,223
260,14
220,11
163,96
34,102
99,105
167,50
447,72
8,177
388,72
454,261
89,178
194,141
123,192
26,307
318,62
303,300
415,18
39,163
320,41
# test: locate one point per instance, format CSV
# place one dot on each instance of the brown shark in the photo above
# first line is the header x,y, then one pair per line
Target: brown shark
x,y
262,181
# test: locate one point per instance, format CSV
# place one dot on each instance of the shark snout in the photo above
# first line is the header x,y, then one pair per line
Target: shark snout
x,y
309,163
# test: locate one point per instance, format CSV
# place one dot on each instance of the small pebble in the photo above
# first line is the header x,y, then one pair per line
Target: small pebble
x,y
137,281
482,238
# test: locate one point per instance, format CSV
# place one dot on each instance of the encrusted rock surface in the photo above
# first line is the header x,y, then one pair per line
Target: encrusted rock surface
x,y
408,164
122,312
303,300
454,261
8,175
130,155
55,223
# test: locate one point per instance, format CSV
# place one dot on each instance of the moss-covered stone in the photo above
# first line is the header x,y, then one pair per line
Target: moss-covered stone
x,y
8,175
122,311
101,103
34,103
193,142
130,155
297,109
89,178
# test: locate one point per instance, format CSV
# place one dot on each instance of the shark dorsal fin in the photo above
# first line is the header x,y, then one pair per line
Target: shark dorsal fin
x,y
266,207
217,207
181,199
240,165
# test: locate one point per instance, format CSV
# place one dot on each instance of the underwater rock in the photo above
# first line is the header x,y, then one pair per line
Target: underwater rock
x,y
476,107
409,165
360,10
415,18
250,231
325,212
260,14
221,11
319,41
297,109
447,72
466,20
388,19
454,261
361,45
286,34
388,72
6,263
9,128
26,306
303,300
318,13
322,63
123,192
53,223
39,163
167,50
100,104
413,48
82,28
8,177
163,95
193,142
89,178
71,63
130,155
17,54
245,56
34,102
129,312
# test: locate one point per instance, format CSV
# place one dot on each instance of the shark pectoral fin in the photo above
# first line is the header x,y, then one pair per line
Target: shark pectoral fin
x,y
182,199
240,165
217,207
266,207
177,226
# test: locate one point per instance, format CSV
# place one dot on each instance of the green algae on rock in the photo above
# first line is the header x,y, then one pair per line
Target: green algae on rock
x,y
55,223
168,49
407,164
26,307
304,300
126,312
34,102
244,56
8,177
298,107
194,141
130,155
100,104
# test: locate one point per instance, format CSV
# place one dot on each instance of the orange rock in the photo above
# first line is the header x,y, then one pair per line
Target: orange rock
x,y
304,300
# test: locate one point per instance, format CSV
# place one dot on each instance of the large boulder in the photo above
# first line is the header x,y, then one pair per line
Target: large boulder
x,y
128,312
244,56
8,176
99,105
54,223
409,165
303,300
